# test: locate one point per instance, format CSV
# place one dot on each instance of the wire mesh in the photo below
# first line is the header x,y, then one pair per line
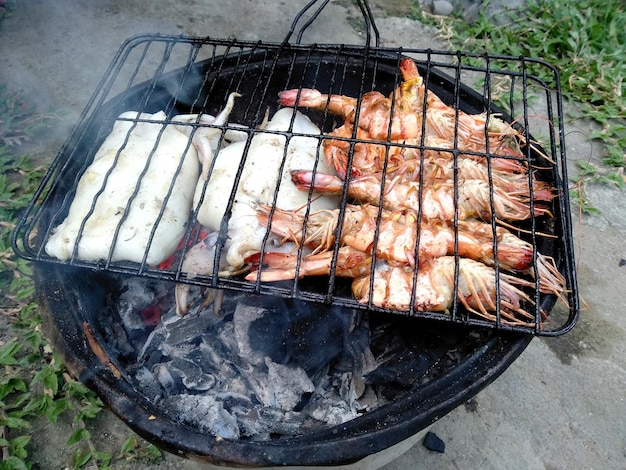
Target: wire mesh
x,y
181,76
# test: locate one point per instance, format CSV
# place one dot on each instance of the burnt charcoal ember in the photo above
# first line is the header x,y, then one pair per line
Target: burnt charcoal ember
x,y
288,385
334,400
404,361
165,379
191,327
369,400
290,331
204,412
261,368
261,422
356,355
122,342
192,376
316,337
256,334
402,367
150,351
148,384
398,364
138,294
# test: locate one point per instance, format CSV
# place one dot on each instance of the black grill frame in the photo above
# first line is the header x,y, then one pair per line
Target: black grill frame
x,y
201,85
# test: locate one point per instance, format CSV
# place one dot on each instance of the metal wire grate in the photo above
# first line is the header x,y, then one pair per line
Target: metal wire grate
x,y
182,75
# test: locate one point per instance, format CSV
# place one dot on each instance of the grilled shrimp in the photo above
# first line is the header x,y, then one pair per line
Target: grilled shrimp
x,y
376,111
398,239
440,166
276,266
380,118
438,147
502,138
434,289
373,124
437,200
368,156
372,156
393,282
397,231
399,118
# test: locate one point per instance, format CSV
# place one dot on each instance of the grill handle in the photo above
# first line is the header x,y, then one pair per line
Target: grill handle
x,y
370,25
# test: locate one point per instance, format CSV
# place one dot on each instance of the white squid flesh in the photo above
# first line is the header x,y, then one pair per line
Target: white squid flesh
x,y
103,203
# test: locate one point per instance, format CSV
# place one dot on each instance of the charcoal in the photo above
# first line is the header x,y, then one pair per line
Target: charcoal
x,y
211,357
288,384
205,413
308,336
330,409
149,386
243,319
165,379
256,382
138,294
434,443
263,421
357,356
327,406
226,344
233,400
316,336
402,367
122,342
180,350
347,388
152,343
183,330
279,421
260,369
369,400
249,423
234,384
191,374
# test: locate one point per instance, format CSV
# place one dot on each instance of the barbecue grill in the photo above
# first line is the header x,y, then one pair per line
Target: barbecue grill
x,y
181,75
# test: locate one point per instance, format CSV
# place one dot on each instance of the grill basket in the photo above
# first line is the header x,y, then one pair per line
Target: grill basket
x,y
184,75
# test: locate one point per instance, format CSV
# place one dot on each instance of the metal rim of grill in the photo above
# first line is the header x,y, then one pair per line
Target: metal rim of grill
x,y
190,75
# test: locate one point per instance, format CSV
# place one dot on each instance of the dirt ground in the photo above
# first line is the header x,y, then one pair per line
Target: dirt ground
x,y
560,405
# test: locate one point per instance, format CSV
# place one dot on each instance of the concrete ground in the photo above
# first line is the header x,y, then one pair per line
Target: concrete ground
x,y
560,405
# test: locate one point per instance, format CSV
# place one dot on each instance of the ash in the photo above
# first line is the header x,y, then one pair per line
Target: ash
x,y
252,367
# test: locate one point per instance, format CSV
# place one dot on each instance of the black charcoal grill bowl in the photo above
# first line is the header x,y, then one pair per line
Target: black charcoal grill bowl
x,y
70,297
74,299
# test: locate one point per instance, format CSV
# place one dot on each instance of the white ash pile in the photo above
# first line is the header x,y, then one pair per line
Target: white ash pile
x,y
260,367
264,368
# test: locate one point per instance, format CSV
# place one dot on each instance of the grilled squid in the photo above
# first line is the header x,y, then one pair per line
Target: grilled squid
x,y
264,165
133,202
266,174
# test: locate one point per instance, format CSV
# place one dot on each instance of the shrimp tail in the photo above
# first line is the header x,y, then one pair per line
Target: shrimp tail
x,y
551,281
478,297
321,182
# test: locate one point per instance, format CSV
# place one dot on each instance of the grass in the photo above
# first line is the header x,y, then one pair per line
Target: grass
x,y
586,41
34,384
